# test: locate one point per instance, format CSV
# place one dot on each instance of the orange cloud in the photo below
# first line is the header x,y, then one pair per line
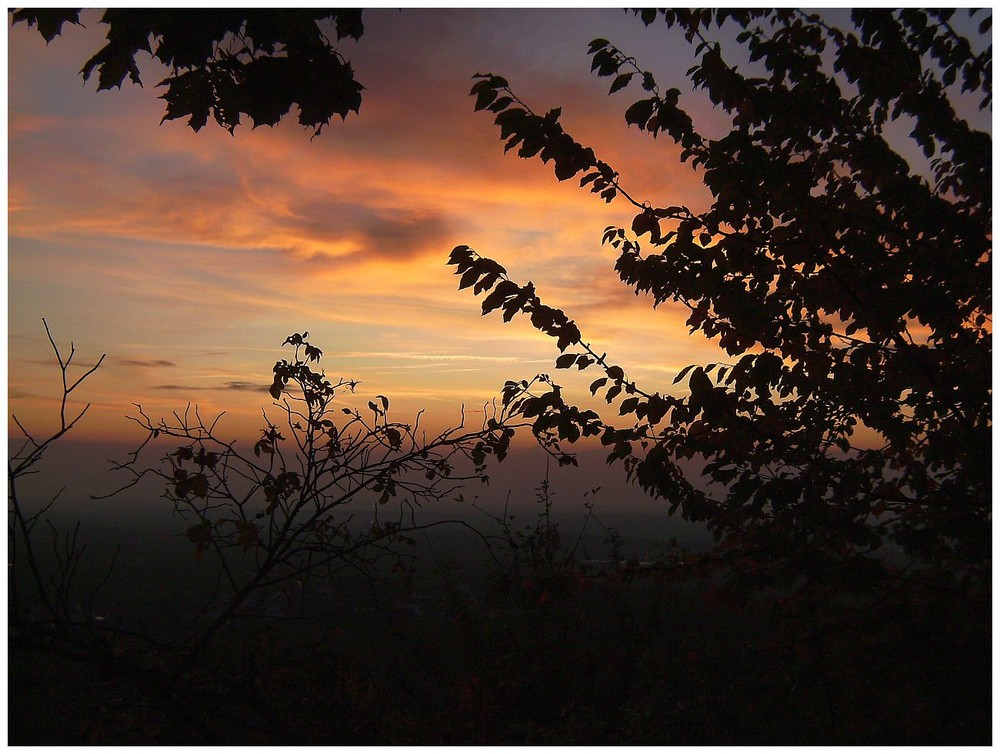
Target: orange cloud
x,y
204,251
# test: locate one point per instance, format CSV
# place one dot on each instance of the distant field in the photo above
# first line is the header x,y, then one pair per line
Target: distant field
x,y
157,578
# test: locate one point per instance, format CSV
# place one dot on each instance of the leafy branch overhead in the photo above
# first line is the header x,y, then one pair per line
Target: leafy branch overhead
x,y
227,63
847,287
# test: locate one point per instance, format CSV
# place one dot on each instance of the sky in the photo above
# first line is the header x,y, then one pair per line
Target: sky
x,y
187,258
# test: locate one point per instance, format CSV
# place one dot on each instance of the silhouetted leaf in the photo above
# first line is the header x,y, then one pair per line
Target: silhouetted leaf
x,y
620,82
289,62
49,21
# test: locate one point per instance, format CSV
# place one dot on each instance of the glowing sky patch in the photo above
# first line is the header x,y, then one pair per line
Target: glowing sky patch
x,y
189,257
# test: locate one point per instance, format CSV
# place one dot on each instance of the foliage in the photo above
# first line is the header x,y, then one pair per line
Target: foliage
x,y
848,287
468,670
851,291
266,522
534,564
284,514
226,62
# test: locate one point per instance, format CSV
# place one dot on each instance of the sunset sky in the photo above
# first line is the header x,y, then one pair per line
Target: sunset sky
x,y
797,547
188,258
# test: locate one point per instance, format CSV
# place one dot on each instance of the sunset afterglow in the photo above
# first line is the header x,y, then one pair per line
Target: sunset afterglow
x,y
188,258
507,376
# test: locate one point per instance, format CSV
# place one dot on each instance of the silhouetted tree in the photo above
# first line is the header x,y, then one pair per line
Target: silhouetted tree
x,y
848,283
269,520
849,286
227,62
282,515
34,599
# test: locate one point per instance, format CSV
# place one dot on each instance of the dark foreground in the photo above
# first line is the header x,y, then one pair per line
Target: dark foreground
x,y
460,651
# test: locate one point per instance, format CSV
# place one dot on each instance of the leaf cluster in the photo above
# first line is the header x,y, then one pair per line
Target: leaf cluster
x,y
849,291
227,63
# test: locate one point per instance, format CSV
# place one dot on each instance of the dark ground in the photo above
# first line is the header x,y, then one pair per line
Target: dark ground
x,y
443,655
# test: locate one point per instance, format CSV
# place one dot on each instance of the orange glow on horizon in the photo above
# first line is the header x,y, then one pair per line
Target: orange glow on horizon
x,y
188,258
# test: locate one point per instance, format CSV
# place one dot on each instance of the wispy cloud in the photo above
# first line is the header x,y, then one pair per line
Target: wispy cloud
x,y
440,357
237,385
152,363
251,387
14,394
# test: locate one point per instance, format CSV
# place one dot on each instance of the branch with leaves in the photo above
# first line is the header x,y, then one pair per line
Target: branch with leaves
x,y
850,292
226,63
282,513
